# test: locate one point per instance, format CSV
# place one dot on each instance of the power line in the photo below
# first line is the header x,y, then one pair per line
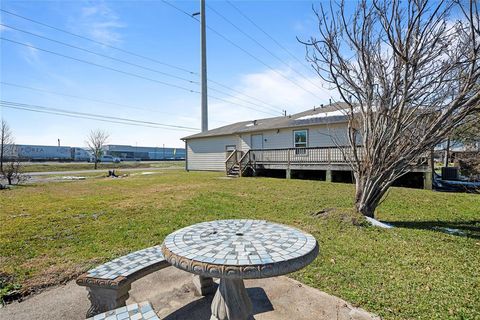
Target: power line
x,y
94,116
243,94
242,49
130,74
95,100
269,36
98,42
98,65
125,62
100,54
263,47
83,117
133,54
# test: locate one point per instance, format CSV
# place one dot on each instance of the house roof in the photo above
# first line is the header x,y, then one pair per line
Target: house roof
x,y
332,113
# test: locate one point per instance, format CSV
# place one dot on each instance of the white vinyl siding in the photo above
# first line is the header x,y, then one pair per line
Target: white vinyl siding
x,y
245,142
209,153
318,136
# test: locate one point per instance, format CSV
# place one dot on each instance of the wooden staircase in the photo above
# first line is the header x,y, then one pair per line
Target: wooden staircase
x,y
234,171
238,164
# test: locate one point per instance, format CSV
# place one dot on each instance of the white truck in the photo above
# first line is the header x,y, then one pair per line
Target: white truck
x,y
108,158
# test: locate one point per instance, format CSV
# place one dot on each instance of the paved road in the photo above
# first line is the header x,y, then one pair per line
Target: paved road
x,y
98,170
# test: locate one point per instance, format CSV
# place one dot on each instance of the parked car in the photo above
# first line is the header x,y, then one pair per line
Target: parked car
x,y
109,159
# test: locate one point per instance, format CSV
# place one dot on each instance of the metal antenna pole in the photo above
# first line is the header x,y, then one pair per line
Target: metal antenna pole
x,y
203,71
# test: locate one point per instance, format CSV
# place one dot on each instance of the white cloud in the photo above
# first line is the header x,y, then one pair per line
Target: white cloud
x,y
101,23
267,86
30,54
271,87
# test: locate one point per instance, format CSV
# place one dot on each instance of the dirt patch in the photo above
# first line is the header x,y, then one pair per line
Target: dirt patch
x,y
322,213
342,215
50,276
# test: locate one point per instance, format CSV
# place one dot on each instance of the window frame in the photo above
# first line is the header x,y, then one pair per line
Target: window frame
x,y
303,149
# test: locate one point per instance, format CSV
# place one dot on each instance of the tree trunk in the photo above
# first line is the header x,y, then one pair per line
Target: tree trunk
x,y
96,163
9,179
447,154
368,194
1,156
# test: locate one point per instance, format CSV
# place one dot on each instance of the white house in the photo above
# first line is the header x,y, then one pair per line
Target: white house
x,y
304,142
320,127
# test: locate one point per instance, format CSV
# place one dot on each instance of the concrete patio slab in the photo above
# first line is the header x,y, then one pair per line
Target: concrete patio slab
x,y
171,293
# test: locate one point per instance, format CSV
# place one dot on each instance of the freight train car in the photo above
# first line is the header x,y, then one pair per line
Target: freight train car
x,y
79,154
24,152
43,153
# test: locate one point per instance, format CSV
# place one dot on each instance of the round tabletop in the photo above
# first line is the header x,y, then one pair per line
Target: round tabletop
x,y
243,249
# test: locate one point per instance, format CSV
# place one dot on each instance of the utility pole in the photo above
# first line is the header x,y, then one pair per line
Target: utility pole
x,y
203,71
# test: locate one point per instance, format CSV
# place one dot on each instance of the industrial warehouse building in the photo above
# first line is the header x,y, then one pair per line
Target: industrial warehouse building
x,y
130,153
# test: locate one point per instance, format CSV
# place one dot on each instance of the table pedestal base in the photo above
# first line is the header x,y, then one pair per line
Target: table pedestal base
x,y
231,302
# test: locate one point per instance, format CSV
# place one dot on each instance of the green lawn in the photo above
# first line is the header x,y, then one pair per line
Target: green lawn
x,y
52,232
72,166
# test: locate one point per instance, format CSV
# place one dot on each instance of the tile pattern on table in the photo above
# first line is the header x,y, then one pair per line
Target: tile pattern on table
x,y
127,265
135,311
240,242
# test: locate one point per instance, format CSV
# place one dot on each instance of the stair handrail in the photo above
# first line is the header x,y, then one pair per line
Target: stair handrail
x,y
242,161
229,163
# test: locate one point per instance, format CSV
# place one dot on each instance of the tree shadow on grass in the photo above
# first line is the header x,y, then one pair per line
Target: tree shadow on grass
x,y
200,309
470,229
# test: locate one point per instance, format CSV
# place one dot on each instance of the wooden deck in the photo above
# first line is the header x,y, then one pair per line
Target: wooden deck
x,y
328,159
313,158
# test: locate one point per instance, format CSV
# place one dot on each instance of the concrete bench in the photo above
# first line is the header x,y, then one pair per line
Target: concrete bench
x,y
135,311
108,284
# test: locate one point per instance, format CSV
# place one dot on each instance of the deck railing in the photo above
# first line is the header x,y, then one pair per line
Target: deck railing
x,y
310,155
341,155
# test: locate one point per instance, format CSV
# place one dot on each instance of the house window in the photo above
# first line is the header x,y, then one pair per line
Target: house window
x,y
300,141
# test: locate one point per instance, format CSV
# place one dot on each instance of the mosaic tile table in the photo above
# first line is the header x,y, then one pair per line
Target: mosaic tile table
x,y
233,250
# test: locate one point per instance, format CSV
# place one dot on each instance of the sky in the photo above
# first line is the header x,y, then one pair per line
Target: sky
x,y
251,76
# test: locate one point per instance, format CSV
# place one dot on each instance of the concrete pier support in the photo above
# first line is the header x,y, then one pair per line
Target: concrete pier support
x,y
288,174
328,175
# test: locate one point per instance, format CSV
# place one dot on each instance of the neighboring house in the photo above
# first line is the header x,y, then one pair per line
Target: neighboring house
x,y
302,143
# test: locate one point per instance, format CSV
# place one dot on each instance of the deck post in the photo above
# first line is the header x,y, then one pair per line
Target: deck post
x,y
288,174
328,175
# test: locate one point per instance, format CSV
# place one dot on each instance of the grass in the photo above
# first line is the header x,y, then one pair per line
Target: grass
x,y
52,232
73,166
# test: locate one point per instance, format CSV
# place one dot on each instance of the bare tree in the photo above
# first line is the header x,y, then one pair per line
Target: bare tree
x,y
409,73
6,142
95,142
10,165
468,133
12,172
